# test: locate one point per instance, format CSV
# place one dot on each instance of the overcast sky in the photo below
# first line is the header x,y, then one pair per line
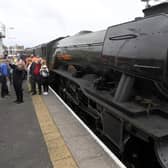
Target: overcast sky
x,y
39,21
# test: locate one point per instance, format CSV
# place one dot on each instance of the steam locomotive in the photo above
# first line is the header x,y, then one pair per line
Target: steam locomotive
x,y
119,77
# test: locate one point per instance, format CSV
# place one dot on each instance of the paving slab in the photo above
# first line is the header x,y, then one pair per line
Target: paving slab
x,y
21,141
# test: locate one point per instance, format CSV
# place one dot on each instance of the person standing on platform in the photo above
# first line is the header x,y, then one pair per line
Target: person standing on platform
x,y
29,80
30,63
18,75
4,77
35,75
44,72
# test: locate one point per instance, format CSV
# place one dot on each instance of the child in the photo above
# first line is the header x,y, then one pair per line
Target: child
x,y
44,72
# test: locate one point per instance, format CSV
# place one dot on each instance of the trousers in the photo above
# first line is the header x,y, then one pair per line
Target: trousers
x,y
17,84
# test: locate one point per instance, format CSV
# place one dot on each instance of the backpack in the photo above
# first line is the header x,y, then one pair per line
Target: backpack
x,y
44,73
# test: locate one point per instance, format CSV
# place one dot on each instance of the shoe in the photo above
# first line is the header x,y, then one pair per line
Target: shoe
x,y
45,93
15,101
19,102
33,93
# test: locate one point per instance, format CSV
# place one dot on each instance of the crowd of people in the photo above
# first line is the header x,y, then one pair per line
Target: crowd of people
x,y
14,70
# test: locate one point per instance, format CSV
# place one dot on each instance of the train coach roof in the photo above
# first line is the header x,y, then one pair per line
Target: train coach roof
x,y
40,46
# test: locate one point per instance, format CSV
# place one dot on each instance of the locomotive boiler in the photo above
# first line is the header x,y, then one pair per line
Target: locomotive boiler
x,y
119,78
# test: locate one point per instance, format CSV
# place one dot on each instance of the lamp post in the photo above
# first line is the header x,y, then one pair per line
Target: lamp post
x,y
10,48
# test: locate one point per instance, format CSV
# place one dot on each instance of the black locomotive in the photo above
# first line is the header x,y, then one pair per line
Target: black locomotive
x,y
119,77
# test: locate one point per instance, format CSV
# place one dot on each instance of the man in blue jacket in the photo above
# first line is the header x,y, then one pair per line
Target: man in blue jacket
x,y
4,75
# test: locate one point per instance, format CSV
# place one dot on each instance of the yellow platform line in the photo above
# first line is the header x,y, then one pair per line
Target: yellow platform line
x,y
59,153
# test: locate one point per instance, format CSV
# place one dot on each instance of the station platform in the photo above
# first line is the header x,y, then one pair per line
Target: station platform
x,y
43,133
21,141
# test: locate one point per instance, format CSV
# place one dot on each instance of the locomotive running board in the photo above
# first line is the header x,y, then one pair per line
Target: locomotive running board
x,y
161,149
